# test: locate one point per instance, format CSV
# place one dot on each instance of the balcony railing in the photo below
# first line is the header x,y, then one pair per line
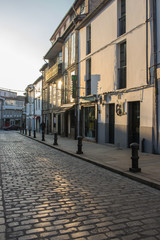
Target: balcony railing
x,y
122,77
53,71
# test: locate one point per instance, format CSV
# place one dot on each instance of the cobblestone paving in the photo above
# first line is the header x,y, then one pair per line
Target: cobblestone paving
x,y
50,195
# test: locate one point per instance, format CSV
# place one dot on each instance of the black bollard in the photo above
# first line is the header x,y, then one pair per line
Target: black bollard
x,y
34,133
26,131
43,139
55,139
29,133
23,130
135,168
79,145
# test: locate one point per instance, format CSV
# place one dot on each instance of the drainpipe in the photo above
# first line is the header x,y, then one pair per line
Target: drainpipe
x,y
77,94
78,88
155,94
147,42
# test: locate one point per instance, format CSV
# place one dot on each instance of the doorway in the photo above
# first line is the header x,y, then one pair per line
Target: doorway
x,y
111,122
59,124
133,122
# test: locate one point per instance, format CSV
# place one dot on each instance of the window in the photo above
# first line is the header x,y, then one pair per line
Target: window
x,y
122,19
45,99
54,94
88,77
59,93
60,58
65,88
82,8
72,17
122,65
38,103
50,95
73,48
64,27
35,104
73,86
88,42
66,55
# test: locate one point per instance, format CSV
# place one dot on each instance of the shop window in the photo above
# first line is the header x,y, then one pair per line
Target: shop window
x,y
88,42
72,116
90,122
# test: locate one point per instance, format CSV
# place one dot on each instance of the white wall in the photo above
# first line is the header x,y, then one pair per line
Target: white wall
x,y
105,60
104,43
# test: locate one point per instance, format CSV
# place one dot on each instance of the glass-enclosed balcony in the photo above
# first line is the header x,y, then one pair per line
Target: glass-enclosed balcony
x,y
54,71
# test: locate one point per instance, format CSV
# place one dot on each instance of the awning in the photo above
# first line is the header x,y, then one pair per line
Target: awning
x,y
87,99
64,108
55,49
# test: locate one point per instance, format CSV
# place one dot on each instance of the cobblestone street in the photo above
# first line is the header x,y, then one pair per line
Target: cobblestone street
x,y
47,194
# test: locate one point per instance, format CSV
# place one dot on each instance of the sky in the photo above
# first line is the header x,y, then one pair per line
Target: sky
x,y
25,30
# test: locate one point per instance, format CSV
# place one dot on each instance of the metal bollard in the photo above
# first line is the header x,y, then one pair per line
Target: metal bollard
x,y
23,130
134,168
29,132
43,139
26,131
34,133
79,145
55,139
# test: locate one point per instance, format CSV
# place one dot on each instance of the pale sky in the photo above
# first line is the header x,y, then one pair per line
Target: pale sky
x,y
25,29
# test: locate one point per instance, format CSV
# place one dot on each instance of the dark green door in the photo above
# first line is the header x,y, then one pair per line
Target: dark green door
x,y
134,122
111,122
59,124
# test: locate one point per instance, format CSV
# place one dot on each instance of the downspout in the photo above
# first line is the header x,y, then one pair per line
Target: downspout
x,y
147,82
155,97
97,112
78,89
77,95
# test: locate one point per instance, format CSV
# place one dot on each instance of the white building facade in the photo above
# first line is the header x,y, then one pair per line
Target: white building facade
x,y
34,105
37,103
11,109
117,81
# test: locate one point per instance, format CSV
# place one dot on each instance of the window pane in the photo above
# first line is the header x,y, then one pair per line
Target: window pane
x,y
66,55
90,122
88,43
73,48
122,69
